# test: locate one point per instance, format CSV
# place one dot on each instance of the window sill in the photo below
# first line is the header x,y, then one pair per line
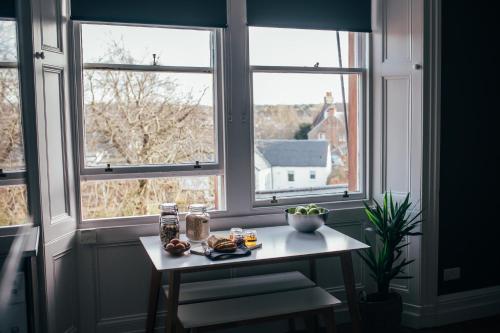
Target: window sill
x,y
341,212
13,230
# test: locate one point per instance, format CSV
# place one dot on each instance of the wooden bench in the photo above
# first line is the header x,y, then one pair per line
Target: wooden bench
x,y
203,291
252,309
195,292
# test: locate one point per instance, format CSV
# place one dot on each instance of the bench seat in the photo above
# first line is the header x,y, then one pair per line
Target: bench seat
x,y
195,292
258,307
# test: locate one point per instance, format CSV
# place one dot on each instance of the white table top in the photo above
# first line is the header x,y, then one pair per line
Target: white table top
x,y
278,243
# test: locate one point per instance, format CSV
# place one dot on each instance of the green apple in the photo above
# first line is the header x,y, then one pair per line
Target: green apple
x,y
313,211
301,210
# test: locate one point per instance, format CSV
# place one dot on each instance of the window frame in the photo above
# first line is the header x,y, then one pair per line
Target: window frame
x,y
123,172
16,177
236,124
159,170
362,61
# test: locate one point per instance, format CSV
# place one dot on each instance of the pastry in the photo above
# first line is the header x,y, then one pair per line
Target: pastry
x,y
221,244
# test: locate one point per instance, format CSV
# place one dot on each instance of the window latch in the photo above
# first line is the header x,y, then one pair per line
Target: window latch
x,y
274,200
197,165
108,168
154,59
345,195
316,65
2,174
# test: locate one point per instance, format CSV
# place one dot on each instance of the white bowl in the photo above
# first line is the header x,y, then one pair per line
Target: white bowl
x,y
306,223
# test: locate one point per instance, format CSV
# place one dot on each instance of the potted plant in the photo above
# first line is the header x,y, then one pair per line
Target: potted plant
x,y
392,223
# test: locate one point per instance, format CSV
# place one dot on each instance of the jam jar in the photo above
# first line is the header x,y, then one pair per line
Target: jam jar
x,y
197,223
169,223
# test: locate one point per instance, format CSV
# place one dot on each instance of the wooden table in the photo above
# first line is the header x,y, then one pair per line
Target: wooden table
x,y
279,244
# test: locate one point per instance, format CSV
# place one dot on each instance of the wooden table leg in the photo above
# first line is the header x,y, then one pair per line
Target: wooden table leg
x,y
174,283
154,289
312,270
315,322
350,288
330,321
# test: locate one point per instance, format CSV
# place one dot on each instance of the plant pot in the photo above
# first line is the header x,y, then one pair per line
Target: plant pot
x,y
381,314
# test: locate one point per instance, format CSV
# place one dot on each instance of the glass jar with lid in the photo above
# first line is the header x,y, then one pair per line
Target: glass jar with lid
x,y
237,236
197,223
169,223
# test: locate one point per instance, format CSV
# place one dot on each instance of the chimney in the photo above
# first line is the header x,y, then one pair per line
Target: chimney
x,y
328,98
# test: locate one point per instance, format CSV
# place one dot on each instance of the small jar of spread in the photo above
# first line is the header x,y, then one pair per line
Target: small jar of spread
x,y
197,223
169,223
250,238
237,236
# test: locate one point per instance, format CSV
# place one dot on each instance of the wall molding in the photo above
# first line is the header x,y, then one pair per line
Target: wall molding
x,y
468,305
129,323
454,308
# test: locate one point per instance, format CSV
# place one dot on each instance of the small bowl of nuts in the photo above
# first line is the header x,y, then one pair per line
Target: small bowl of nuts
x,y
177,247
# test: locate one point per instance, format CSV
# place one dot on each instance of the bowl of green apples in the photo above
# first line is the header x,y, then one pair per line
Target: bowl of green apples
x,y
306,218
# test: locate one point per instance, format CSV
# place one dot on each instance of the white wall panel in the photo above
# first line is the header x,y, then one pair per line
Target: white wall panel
x,y
396,113
122,276
397,30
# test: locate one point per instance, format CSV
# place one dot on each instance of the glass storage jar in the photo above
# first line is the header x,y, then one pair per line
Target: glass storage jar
x,y
197,223
237,236
169,223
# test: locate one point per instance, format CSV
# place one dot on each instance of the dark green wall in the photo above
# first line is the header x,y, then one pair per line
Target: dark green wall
x,y
469,230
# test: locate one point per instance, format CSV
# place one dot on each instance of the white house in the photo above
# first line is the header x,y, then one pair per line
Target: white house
x,y
291,164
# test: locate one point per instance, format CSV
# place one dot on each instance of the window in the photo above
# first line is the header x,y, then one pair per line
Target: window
x,y
307,95
150,119
291,176
13,196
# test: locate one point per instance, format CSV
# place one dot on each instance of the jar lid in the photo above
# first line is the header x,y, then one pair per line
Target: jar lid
x,y
197,208
169,219
168,207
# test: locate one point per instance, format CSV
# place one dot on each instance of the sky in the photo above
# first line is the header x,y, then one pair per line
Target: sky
x,y
268,46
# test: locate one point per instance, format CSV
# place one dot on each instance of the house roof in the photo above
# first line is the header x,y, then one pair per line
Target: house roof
x,y
294,153
321,115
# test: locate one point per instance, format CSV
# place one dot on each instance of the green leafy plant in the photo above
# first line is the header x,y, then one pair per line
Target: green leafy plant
x,y
392,223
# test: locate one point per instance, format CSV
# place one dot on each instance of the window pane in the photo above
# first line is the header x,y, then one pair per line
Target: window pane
x,y
8,41
13,205
139,197
147,118
136,45
299,47
301,145
11,139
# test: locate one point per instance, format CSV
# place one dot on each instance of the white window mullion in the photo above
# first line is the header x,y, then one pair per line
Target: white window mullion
x,y
8,64
12,178
239,166
148,172
305,70
147,68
